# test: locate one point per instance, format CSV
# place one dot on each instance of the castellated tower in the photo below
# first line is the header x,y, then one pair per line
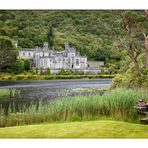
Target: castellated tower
x,y
66,44
45,45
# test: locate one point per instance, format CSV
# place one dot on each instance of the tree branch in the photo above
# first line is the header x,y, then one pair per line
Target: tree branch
x,y
146,12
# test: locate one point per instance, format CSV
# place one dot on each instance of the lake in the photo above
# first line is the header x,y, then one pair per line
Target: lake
x,y
32,91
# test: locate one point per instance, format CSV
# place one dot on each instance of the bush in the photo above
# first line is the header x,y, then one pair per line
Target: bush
x,y
102,71
20,77
129,81
8,70
40,71
118,81
26,65
62,72
48,71
19,66
36,70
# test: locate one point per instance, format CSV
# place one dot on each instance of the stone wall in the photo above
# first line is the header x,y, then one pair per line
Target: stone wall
x,y
88,70
95,64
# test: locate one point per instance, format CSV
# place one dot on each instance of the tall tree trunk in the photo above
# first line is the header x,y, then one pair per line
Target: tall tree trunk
x,y
137,66
146,50
133,57
146,44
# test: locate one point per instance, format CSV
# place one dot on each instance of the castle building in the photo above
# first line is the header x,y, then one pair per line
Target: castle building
x,y
49,58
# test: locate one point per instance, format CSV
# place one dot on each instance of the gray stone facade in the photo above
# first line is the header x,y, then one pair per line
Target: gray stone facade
x,y
45,57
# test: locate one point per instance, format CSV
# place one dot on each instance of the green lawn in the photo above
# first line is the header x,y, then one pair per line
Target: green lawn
x,y
87,129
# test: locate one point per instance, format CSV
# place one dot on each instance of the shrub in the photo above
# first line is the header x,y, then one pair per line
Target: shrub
x,y
62,72
36,70
48,71
129,81
102,71
118,81
40,71
20,77
19,66
26,65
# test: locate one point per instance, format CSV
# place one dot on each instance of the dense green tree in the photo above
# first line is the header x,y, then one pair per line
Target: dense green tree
x,y
50,37
26,65
62,71
101,54
7,53
130,40
19,66
145,33
48,71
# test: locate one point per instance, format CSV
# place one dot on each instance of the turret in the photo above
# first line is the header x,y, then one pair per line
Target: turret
x,y
45,45
66,44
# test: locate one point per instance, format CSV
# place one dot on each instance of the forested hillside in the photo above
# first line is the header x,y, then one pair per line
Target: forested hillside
x,y
88,31
101,35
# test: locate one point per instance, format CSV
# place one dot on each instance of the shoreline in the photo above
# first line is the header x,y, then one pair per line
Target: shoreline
x,y
5,77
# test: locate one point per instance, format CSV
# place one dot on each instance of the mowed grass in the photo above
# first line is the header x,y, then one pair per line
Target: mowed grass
x,y
85,129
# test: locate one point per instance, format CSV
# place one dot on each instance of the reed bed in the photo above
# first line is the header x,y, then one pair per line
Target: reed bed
x,y
7,92
117,104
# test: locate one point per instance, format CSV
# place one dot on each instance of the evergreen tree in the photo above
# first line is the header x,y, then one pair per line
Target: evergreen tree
x,y
8,53
50,37
48,71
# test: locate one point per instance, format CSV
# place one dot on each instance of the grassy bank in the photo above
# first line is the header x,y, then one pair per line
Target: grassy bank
x,y
117,104
87,129
30,76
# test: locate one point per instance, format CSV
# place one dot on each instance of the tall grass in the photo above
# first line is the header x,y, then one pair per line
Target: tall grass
x,y
117,104
7,92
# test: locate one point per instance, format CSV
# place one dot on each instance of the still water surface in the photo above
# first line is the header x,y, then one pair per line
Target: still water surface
x,y
32,91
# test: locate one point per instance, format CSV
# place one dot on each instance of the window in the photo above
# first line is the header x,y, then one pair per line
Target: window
x,y
45,63
29,54
77,61
83,60
59,59
23,53
72,59
41,63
